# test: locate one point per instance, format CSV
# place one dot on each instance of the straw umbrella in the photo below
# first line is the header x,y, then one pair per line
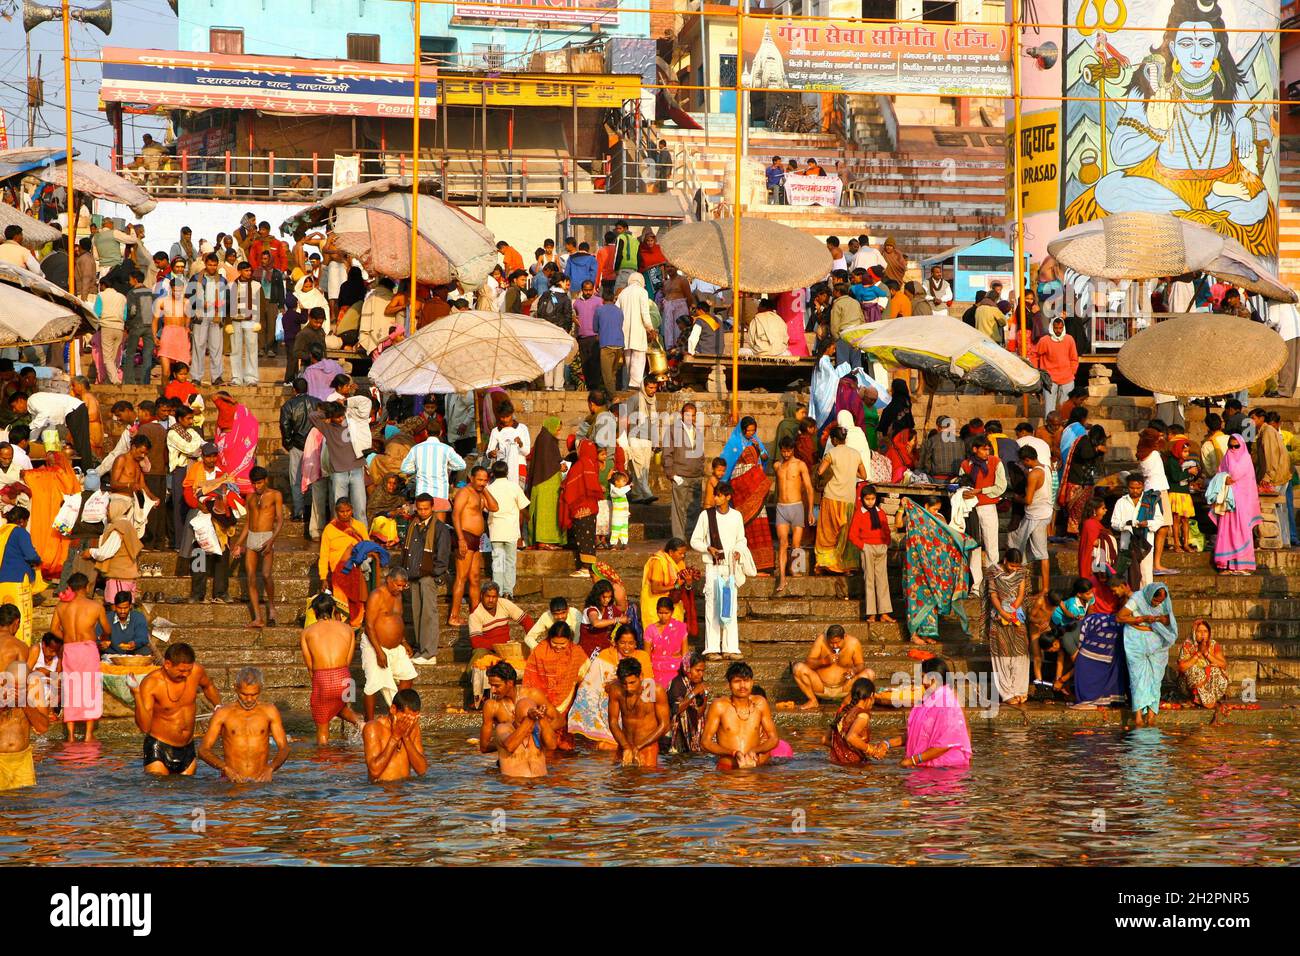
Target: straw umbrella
x,y
1147,245
1202,353
773,257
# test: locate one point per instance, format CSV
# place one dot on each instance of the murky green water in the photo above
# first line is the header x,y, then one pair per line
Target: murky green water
x,y
1034,795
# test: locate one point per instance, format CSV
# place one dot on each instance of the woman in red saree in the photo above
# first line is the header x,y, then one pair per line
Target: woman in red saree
x,y
236,440
1096,543
580,496
900,454
749,488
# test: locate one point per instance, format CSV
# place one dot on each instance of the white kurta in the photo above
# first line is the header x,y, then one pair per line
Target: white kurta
x,y
736,561
502,447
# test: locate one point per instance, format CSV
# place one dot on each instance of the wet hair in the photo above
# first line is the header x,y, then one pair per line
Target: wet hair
x,y
407,700
323,606
397,573
739,669
77,581
503,671
835,630
179,654
249,676
863,689
628,667
935,665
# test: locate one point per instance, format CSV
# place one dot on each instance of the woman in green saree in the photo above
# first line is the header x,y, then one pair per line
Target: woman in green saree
x,y
543,488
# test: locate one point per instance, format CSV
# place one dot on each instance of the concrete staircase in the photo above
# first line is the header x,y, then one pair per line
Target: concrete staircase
x,y
1289,220
929,201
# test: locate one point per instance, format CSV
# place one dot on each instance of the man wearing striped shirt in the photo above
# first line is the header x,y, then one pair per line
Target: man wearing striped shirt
x,y
430,462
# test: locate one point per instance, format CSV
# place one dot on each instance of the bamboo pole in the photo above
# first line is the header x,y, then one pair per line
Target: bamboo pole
x,y
415,176
735,220
1017,239
72,199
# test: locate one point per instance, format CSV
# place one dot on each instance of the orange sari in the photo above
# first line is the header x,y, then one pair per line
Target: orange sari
x,y
49,484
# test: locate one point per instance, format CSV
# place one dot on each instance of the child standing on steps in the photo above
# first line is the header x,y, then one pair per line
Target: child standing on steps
x,y
619,510
504,525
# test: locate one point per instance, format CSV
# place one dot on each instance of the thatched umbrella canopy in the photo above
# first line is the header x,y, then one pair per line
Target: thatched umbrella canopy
x,y
1202,353
773,257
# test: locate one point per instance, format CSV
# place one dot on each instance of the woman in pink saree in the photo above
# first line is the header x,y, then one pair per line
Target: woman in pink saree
x,y
236,440
1234,545
789,305
937,735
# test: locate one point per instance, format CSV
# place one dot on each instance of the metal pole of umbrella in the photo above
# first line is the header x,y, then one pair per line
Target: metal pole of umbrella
x,y
1018,238
415,175
735,212
74,352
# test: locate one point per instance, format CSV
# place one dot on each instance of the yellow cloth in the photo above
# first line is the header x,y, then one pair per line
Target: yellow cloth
x,y
661,570
335,545
19,594
17,770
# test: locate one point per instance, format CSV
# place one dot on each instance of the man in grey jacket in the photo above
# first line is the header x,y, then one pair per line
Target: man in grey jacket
x,y
683,462
428,555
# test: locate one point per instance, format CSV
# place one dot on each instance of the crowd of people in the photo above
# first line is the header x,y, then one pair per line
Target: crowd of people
x,y
404,498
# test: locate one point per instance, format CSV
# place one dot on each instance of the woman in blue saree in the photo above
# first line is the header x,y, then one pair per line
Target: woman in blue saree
x,y
1150,629
1100,678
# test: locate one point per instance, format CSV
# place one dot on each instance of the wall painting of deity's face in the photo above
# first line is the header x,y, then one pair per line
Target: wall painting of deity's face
x,y
1195,47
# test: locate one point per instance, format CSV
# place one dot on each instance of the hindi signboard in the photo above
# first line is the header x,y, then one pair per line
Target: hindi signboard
x,y
812,190
180,79
855,57
546,11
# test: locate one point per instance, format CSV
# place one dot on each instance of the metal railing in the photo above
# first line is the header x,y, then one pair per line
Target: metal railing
x,y
466,176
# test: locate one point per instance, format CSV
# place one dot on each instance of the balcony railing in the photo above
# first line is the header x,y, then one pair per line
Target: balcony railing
x,y
466,177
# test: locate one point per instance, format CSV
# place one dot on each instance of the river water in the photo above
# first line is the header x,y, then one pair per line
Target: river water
x,y
1034,795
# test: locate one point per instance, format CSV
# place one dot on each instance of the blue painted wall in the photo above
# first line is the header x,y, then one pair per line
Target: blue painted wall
x,y
319,28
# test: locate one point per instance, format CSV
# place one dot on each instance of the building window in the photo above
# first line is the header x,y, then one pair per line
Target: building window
x,y
223,40
879,10
492,55
364,47
936,11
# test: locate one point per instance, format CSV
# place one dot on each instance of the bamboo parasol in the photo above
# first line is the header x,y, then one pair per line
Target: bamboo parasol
x,y
773,257
1202,353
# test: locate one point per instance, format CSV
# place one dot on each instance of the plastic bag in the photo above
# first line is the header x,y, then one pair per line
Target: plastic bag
x,y
95,510
726,598
205,535
66,518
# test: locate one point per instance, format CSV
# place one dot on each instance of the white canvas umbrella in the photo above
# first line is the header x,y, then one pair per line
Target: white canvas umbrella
x,y
34,310
471,350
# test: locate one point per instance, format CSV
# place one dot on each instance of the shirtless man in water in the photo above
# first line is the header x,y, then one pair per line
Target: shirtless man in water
x,y
794,503
75,621
637,725
394,750
518,724
23,709
385,653
468,524
327,647
833,664
739,728
164,711
257,543
244,728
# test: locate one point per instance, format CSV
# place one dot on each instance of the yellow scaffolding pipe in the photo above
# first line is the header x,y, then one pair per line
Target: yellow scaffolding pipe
x,y
736,309
415,175
72,201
